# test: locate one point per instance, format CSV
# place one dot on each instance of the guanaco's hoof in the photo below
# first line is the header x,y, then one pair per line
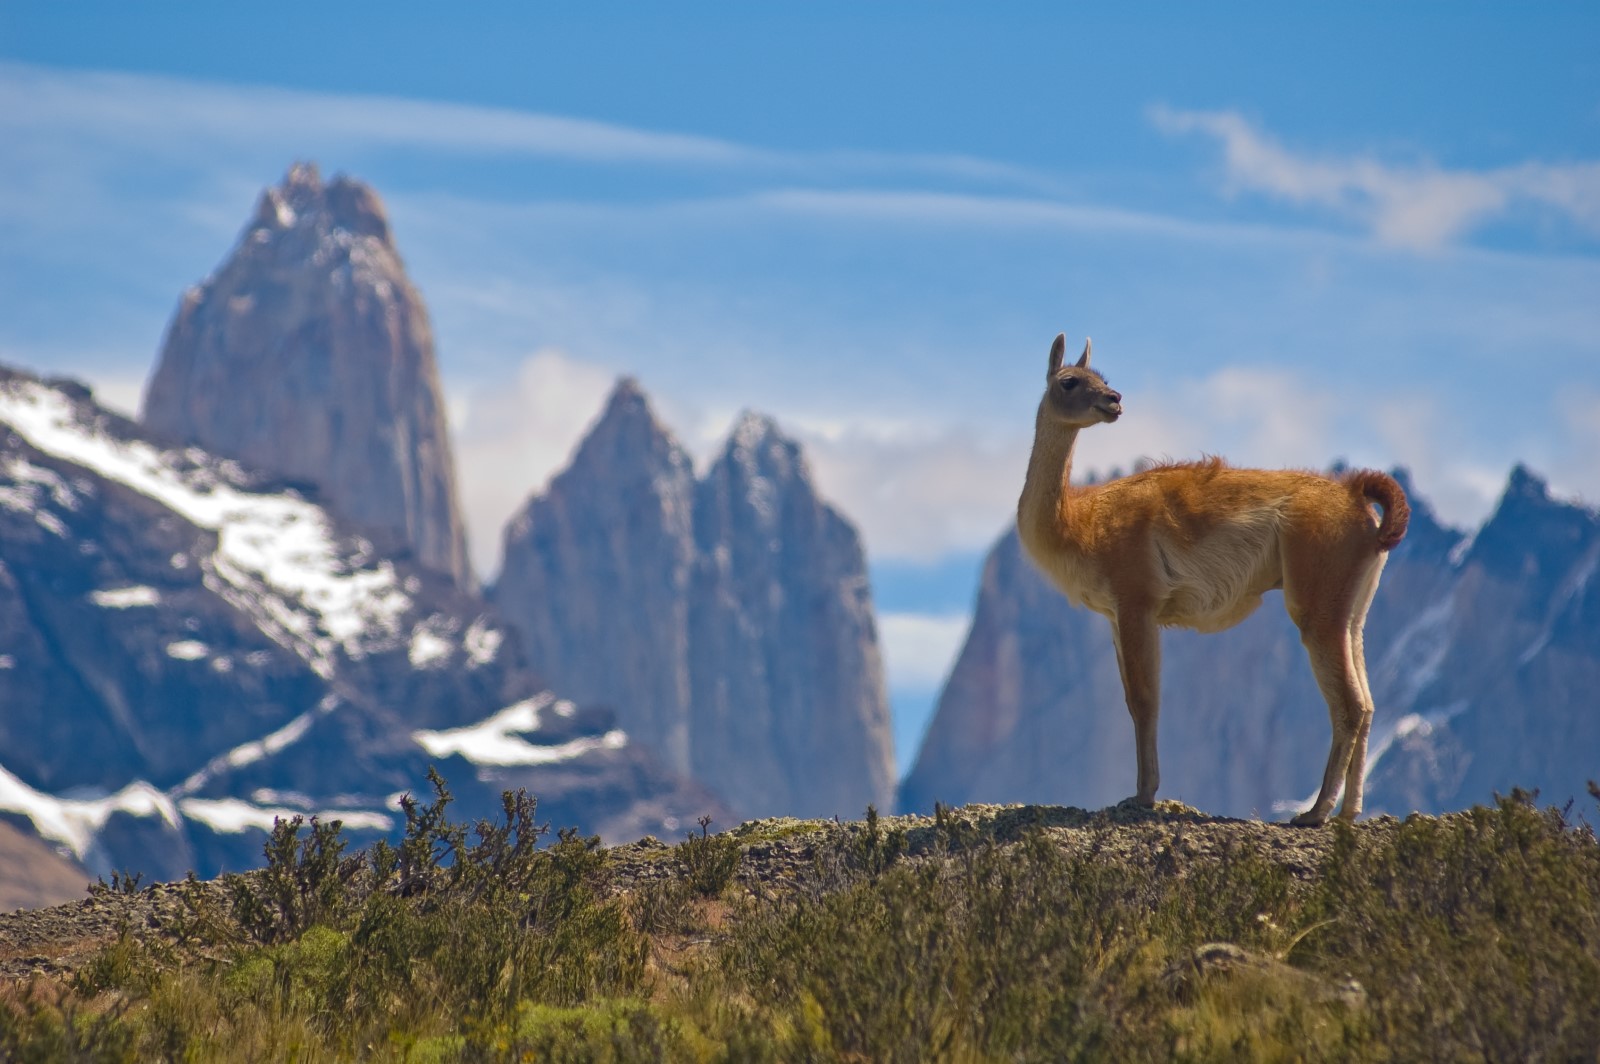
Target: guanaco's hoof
x,y
1135,802
1308,819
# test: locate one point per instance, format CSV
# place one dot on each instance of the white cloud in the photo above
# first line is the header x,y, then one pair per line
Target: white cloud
x,y
1420,206
920,648
511,437
1574,470
917,494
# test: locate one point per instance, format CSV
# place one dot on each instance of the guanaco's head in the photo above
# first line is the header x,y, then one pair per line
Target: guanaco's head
x,y
1077,395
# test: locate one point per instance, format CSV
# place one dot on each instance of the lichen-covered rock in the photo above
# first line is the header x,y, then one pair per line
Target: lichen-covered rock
x,y
309,353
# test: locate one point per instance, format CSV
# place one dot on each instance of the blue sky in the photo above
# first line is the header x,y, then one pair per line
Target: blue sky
x,y
1295,233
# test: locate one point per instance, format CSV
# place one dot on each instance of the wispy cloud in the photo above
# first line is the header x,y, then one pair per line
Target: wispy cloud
x,y
1420,206
919,648
166,114
159,111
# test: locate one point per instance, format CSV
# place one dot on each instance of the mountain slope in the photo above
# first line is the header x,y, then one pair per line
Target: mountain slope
x,y
191,649
32,875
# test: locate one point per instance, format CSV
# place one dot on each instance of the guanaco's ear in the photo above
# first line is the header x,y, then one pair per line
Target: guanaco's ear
x,y
1083,359
1058,353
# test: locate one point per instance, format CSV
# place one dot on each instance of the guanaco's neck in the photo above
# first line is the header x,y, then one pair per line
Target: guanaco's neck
x,y
1047,489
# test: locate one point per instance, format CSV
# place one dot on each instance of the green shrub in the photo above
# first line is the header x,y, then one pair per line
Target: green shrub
x,y
708,862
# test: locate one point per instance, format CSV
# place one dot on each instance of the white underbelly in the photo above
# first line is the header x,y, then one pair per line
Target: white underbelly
x,y
1222,584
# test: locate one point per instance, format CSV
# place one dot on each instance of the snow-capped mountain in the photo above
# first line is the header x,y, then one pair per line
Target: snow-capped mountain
x,y
189,649
1483,652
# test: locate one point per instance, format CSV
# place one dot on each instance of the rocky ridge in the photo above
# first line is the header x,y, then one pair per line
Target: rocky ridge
x,y
776,854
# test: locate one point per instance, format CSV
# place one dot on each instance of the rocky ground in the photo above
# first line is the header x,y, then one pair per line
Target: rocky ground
x,y
776,854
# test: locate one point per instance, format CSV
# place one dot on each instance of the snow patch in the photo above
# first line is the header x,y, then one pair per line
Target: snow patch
x,y
31,484
481,642
429,647
276,552
1416,655
230,816
256,749
1571,588
74,822
121,598
288,735
497,740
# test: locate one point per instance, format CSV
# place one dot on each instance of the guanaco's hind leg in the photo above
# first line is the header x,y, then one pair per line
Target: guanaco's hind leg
x,y
1138,641
1334,667
1355,774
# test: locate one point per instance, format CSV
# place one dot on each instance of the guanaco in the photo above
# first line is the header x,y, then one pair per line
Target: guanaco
x,y
1196,545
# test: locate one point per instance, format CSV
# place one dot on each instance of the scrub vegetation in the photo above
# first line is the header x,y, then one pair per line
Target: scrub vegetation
x,y
979,934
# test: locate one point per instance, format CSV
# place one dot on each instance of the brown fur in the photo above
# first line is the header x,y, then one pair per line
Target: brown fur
x,y
1196,545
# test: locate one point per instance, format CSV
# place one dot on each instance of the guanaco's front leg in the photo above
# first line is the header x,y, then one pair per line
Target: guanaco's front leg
x,y
1138,641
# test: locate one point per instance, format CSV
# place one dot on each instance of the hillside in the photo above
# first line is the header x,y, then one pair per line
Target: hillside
x,y
988,932
32,874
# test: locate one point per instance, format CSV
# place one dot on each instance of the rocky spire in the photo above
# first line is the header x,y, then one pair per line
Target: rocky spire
x,y
727,622
309,352
789,712
596,575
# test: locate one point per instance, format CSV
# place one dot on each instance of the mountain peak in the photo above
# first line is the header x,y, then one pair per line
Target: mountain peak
x,y
752,430
758,447
302,201
1524,483
627,401
628,434
726,620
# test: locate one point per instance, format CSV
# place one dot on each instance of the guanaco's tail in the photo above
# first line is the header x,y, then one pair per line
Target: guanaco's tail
x,y
1384,490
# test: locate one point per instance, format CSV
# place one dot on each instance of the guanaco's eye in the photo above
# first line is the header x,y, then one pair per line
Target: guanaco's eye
x,y
1069,383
